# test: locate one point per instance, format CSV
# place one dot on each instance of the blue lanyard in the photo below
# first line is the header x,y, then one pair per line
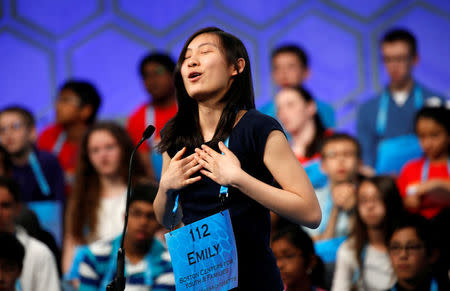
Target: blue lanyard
x,y
426,169
384,107
223,192
59,143
433,287
112,266
38,173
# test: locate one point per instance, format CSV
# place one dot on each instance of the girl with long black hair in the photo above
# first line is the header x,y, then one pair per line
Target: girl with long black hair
x,y
216,103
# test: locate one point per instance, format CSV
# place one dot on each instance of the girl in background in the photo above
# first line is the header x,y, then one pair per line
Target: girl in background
x,y
425,183
97,204
297,111
362,260
300,267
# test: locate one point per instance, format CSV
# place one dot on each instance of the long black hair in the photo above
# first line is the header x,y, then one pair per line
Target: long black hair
x,y
184,128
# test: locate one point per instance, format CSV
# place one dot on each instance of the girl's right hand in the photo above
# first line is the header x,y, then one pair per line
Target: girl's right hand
x,y
179,171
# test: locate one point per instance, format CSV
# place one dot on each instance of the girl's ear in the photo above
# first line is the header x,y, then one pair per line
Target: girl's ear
x,y
240,65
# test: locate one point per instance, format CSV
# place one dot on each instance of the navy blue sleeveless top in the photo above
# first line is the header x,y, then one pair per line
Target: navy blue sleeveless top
x,y
251,221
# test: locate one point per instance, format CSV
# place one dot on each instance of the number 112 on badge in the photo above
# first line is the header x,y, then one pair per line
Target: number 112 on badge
x,y
204,255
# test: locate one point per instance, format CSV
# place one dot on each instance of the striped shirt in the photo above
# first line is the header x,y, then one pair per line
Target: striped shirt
x,y
99,264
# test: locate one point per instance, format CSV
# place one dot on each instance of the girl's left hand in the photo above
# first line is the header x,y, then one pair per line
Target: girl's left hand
x,y
221,168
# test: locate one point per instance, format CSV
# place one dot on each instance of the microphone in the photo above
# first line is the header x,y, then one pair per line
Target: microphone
x,y
118,284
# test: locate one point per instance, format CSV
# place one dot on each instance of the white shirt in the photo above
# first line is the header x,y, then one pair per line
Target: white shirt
x,y
110,216
377,273
400,97
39,271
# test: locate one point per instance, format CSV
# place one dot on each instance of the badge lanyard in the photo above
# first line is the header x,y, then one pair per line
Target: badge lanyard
x,y
204,253
384,107
57,148
426,169
112,267
223,194
38,173
433,287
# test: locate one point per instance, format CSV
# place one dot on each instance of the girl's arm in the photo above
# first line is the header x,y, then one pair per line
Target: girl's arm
x,y
175,174
296,200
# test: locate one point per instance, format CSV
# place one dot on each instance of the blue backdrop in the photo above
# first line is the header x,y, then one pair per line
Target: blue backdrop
x,y
42,43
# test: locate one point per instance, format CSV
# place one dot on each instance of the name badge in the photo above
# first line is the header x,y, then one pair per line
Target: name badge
x,y
204,255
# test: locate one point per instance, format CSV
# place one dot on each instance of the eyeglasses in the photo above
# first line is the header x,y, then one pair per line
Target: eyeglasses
x,y
334,155
396,59
139,214
396,249
158,71
15,126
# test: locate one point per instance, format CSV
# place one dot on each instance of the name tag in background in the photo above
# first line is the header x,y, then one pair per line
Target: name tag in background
x,y
204,255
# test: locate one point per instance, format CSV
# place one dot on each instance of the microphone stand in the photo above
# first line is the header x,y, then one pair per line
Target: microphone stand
x,y
118,283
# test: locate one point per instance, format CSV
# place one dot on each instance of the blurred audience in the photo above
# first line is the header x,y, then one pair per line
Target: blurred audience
x,y
37,172
301,269
341,158
11,261
290,68
147,264
297,112
97,204
39,272
412,252
425,183
363,260
390,114
76,109
156,70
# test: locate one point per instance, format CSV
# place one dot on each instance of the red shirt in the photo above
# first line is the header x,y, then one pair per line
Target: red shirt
x,y
52,139
411,176
138,121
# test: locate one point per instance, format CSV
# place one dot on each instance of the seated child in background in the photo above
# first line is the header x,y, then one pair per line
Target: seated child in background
x,y
425,183
363,260
76,109
412,253
341,158
143,251
297,112
300,267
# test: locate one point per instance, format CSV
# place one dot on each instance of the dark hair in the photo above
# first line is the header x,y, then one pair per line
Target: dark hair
x,y
421,226
24,113
184,129
316,144
5,162
144,192
439,114
87,93
12,250
339,136
296,236
157,57
11,186
85,198
400,34
294,49
393,204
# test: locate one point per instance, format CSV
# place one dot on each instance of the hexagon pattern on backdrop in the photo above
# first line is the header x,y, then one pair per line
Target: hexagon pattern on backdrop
x,y
103,41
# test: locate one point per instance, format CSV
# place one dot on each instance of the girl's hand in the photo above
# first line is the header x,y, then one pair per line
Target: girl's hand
x,y
221,168
179,171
